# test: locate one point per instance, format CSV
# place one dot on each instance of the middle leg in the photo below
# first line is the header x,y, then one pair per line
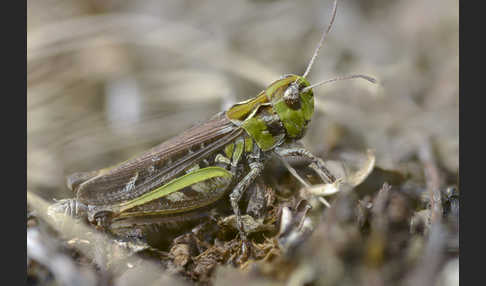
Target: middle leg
x,y
256,169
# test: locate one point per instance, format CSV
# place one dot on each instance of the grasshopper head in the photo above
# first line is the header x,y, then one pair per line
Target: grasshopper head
x,y
281,111
293,105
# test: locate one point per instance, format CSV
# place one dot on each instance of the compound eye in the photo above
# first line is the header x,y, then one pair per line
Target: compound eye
x,y
292,97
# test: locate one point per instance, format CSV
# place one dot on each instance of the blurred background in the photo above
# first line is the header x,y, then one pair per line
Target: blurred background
x,y
109,79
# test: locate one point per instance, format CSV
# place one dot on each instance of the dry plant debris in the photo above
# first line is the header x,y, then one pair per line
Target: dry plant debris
x,y
389,236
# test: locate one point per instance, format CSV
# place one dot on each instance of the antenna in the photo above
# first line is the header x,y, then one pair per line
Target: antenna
x,y
368,78
316,52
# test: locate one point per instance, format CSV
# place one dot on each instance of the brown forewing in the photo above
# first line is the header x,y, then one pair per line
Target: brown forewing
x,y
158,165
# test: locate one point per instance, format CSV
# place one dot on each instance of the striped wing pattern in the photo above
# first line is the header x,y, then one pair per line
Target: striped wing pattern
x,y
158,165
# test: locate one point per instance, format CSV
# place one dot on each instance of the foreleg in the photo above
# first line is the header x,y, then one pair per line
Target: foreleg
x,y
302,152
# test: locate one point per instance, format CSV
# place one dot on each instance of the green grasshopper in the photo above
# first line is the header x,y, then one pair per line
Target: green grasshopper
x,y
202,165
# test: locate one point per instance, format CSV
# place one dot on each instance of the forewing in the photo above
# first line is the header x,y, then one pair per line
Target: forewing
x,y
158,165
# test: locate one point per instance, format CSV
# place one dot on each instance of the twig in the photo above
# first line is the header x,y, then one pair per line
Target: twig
x,y
432,180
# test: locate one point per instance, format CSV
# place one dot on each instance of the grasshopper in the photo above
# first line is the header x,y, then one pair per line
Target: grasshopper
x,y
204,164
